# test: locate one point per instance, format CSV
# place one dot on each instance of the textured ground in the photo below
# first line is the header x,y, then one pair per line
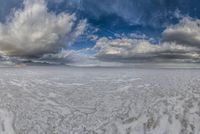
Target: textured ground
x,y
63,100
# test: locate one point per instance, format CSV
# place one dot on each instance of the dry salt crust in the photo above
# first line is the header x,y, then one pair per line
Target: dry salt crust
x,y
63,100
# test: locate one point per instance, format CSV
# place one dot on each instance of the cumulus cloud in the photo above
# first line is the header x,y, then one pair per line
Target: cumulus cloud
x,y
138,50
180,43
34,31
187,32
124,47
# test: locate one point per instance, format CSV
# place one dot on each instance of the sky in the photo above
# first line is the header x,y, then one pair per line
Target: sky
x,y
94,32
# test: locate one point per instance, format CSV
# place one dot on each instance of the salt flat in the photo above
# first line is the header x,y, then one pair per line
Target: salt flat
x,y
66,100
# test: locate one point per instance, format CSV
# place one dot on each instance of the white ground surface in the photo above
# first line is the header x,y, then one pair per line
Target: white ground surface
x,y
63,100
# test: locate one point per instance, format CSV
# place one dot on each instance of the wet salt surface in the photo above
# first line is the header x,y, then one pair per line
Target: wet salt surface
x,y
63,100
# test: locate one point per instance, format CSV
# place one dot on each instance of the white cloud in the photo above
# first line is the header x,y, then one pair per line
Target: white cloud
x,y
33,31
187,32
180,42
124,47
141,49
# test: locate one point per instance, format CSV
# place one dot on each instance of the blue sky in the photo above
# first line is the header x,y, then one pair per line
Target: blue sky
x,y
107,30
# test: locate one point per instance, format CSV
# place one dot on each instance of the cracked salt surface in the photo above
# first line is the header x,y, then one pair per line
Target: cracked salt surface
x,y
63,100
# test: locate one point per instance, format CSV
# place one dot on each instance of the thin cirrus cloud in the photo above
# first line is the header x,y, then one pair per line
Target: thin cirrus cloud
x,y
34,31
156,13
180,43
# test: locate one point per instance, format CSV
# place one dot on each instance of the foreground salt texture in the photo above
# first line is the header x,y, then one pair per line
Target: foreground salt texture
x,y
63,100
